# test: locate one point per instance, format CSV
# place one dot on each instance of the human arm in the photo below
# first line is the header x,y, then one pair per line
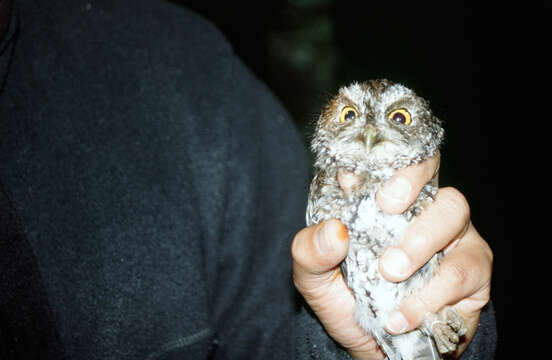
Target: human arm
x,y
463,281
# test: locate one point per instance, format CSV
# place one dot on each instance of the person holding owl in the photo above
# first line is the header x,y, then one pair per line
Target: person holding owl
x,y
464,279
376,147
150,190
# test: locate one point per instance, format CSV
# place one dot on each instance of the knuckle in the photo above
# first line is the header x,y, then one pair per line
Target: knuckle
x,y
294,246
298,245
456,203
482,249
299,253
415,307
488,252
457,274
487,263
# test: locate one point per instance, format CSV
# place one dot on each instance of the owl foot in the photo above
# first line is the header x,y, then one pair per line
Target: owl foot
x,y
446,327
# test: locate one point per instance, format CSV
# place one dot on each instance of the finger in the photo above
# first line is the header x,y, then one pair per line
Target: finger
x,y
463,280
318,250
399,192
347,180
442,222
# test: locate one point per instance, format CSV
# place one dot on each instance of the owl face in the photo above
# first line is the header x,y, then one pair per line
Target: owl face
x,y
375,127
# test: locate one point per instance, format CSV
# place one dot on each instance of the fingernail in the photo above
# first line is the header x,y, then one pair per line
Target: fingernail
x,y
347,180
342,232
323,238
397,189
396,322
395,262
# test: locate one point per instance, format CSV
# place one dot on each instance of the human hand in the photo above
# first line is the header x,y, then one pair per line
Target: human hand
x,y
463,280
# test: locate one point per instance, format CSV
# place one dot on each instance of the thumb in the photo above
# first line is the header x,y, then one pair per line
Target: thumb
x,y
317,252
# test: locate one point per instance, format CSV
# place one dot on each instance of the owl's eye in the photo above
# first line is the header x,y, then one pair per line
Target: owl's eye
x,y
402,116
347,114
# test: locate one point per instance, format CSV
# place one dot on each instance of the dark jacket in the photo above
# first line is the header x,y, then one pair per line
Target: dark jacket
x,y
151,188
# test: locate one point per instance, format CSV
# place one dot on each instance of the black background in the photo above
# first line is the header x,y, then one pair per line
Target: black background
x,y
465,58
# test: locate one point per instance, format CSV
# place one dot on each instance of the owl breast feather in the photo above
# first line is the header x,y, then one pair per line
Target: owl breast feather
x,y
371,231
369,225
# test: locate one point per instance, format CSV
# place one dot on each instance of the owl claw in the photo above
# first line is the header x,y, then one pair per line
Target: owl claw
x,y
454,320
446,327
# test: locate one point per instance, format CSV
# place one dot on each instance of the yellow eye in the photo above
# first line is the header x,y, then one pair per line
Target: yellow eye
x,y
347,114
401,116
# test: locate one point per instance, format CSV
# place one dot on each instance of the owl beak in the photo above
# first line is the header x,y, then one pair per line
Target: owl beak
x,y
370,136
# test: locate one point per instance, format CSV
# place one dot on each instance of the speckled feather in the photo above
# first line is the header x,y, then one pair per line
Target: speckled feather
x,y
341,144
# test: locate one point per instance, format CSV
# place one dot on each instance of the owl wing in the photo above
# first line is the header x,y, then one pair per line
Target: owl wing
x,y
325,198
314,214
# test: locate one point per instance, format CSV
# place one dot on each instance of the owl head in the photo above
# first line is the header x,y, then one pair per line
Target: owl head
x,y
375,127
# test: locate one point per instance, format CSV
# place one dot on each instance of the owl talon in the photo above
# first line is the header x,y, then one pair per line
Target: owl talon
x,y
454,320
445,337
446,327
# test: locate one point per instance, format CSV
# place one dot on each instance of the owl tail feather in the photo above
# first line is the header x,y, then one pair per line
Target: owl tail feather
x,y
413,345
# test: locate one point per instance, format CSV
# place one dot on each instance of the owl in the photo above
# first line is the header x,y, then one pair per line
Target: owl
x,y
371,129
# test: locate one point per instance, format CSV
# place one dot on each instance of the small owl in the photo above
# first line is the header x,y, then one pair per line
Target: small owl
x,y
371,129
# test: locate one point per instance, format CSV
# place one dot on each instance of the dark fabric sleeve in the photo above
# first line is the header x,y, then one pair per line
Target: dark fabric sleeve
x,y
27,329
158,182
159,185
483,345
